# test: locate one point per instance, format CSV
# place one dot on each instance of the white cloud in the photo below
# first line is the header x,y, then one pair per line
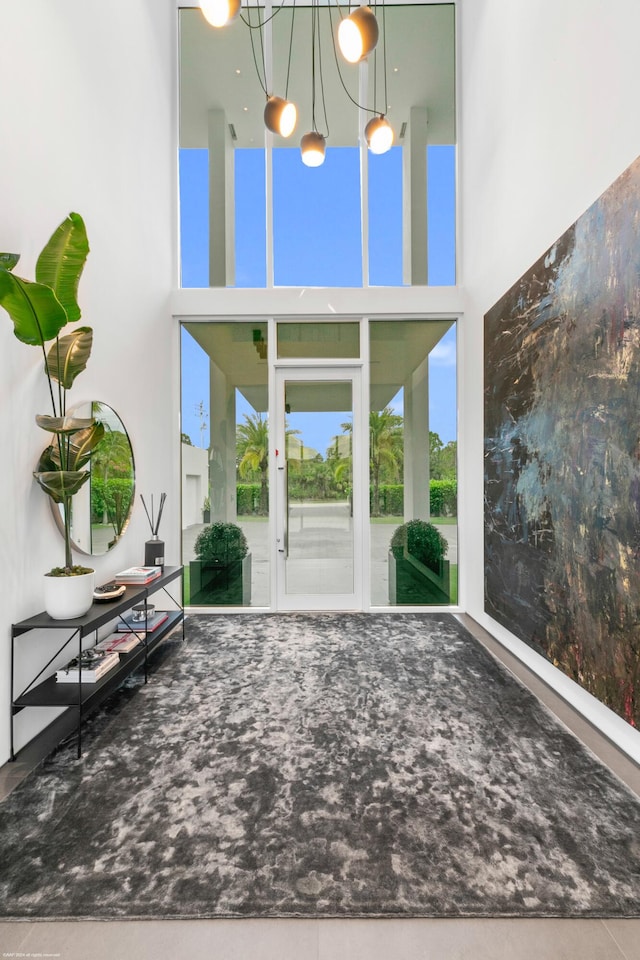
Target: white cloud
x,y
443,354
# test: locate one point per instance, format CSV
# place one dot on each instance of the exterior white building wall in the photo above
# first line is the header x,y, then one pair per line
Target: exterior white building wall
x,y
548,120
87,126
195,484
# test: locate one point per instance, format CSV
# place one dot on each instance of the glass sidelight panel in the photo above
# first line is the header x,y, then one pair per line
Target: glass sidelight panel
x,y
412,459
318,534
225,462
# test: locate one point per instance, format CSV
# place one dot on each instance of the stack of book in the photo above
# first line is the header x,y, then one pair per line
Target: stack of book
x,y
93,665
138,575
153,621
119,643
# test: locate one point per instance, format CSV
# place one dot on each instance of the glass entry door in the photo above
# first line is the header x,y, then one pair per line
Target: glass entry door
x,y
318,461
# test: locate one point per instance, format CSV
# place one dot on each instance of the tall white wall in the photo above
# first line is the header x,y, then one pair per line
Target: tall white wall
x,y
87,125
549,118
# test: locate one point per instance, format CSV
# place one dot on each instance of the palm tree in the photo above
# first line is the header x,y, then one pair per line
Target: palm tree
x,y
385,449
252,452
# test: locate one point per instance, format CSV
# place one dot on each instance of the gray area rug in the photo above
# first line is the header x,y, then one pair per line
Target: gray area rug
x,y
322,765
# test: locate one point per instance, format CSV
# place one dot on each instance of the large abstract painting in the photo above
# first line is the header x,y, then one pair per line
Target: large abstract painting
x,y
562,451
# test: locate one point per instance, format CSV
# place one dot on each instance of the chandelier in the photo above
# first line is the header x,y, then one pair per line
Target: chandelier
x,y
357,39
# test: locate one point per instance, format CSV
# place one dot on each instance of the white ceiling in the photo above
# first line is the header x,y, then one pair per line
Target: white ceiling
x,y
397,349
217,72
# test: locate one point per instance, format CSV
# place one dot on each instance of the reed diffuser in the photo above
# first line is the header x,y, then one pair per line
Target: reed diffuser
x,y
154,548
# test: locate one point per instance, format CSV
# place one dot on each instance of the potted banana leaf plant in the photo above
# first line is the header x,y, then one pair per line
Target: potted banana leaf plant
x,y
40,312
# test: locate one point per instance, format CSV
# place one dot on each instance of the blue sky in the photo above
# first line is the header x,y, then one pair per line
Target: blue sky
x,y
319,247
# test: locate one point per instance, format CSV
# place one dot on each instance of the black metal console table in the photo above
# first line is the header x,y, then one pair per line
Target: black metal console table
x,y
85,697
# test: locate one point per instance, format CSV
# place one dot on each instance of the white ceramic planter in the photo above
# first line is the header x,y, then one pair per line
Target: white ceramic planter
x,y
66,598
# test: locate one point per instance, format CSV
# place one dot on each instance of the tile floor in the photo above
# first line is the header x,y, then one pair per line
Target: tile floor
x,y
340,939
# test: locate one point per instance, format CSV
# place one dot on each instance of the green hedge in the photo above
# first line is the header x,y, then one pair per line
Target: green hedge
x,y
443,498
112,498
247,499
391,499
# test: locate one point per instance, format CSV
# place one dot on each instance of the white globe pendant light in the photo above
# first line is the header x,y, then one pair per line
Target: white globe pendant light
x,y
280,116
379,135
220,12
358,34
312,148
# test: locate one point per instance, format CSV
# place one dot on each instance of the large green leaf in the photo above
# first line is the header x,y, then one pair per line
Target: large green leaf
x,y
68,356
49,460
62,484
78,448
9,260
37,314
63,424
62,260
82,445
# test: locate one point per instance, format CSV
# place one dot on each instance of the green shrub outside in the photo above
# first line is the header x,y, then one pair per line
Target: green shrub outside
x,y
422,540
391,499
443,498
105,496
221,542
247,499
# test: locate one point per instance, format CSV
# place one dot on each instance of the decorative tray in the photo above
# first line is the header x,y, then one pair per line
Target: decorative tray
x,y
108,591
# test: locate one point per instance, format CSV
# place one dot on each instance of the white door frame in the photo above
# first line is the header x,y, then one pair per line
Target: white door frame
x,y
320,371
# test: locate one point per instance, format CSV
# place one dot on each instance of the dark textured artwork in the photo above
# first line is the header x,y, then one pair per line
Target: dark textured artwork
x,y
562,451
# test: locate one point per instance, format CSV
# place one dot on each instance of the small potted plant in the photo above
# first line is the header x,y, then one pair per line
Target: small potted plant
x,y
418,572
206,510
221,574
40,310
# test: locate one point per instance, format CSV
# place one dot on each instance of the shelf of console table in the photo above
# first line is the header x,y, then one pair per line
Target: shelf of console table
x,y
85,697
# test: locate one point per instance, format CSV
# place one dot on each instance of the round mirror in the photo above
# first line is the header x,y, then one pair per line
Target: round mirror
x,y
101,509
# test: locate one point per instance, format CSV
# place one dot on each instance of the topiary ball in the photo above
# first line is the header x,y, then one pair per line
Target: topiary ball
x,y
422,540
221,543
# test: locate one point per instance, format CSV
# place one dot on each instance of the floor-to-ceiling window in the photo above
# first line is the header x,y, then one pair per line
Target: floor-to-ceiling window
x,y
413,462
294,460
225,464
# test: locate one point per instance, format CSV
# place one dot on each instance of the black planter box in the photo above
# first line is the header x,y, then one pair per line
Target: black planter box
x,y
215,583
411,583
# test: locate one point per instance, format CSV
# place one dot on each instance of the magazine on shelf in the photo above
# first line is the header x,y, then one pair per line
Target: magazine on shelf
x,y
128,624
138,575
94,664
119,643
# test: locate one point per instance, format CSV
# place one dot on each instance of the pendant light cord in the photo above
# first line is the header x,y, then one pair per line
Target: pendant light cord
x,y
316,50
315,37
324,102
384,56
259,26
293,17
314,9
335,55
263,83
384,66
263,23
